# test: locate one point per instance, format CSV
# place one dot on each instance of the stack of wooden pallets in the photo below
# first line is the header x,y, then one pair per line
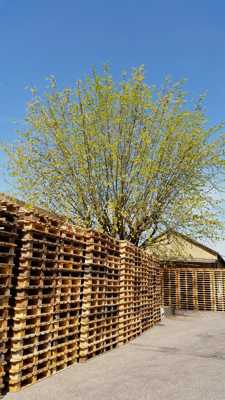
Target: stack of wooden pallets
x,y
219,289
170,288
34,295
143,300
66,294
147,290
129,320
47,304
140,292
69,295
156,290
99,321
194,288
8,234
112,294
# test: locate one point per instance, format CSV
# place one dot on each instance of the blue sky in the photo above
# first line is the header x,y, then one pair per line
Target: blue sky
x,y
185,39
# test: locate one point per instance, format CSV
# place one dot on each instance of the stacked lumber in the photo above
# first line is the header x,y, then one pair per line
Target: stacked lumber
x,y
191,288
8,234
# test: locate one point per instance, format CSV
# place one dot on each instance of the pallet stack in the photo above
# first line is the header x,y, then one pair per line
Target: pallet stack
x,y
47,299
67,294
170,288
199,289
99,321
156,289
205,290
34,300
147,289
129,308
69,291
8,234
219,289
112,293
143,300
140,292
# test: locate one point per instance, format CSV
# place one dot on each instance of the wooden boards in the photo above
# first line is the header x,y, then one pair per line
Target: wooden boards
x,y
194,289
67,294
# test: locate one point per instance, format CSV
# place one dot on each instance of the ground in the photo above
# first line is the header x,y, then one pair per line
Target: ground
x,y
181,358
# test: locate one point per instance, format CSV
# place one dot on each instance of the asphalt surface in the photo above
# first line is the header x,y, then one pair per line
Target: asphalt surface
x,y
181,358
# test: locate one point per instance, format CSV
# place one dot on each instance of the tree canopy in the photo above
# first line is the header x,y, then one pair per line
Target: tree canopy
x,y
130,159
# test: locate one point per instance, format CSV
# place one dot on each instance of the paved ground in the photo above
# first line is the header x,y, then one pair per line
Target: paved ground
x,y
182,358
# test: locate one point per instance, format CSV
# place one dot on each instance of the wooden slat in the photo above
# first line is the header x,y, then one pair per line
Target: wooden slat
x,y
191,288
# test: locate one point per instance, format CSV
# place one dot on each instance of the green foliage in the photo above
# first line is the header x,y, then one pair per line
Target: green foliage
x,y
127,158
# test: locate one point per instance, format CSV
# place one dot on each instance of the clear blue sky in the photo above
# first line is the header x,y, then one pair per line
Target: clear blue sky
x,y
64,38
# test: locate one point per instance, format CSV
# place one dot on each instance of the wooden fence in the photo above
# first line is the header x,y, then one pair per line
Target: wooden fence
x,y
66,294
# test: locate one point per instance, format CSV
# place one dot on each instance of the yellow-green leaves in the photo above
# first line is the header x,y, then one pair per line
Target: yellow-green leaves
x,y
130,159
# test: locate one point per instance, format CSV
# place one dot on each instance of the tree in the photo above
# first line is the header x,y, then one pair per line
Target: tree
x,y
132,160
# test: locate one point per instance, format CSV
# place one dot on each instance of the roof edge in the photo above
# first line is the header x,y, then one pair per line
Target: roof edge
x,y
195,242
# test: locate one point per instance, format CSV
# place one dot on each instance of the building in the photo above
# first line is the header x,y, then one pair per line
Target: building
x,y
178,250
193,274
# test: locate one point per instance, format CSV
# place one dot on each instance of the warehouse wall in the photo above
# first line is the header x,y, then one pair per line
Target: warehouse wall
x,y
67,294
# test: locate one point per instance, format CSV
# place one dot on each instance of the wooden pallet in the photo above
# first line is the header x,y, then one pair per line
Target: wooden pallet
x,y
8,236
74,293
194,288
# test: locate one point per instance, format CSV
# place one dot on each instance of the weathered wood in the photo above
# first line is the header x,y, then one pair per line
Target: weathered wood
x,y
198,288
75,293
